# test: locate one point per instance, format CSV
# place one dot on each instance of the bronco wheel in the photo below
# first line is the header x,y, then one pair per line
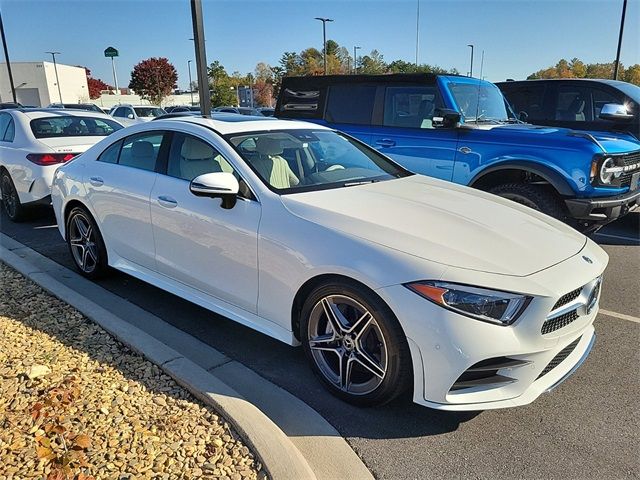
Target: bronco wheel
x,y
355,344
538,197
10,200
86,244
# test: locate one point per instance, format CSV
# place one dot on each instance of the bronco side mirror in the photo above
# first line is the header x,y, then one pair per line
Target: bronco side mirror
x,y
615,112
447,118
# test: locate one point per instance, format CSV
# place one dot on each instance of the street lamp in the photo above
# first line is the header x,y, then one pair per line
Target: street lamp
x,y
324,39
471,70
55,67
6,56
355,59
190,82
617,66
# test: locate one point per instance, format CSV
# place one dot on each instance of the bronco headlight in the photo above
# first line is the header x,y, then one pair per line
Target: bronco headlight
x,y
501,308
606,172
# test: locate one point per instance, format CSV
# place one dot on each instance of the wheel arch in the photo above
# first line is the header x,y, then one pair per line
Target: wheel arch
x,y
511,171
70,205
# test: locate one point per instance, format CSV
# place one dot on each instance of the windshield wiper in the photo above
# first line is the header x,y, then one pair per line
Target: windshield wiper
x,y
361,182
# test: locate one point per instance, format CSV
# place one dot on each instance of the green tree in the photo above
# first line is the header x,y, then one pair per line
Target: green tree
x,y
372,63
154,79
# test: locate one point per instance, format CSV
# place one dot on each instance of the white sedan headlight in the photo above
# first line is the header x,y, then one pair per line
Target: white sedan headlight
x,y
501,308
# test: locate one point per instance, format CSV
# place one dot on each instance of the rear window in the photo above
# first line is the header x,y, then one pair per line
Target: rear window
x,y
149,111
350,104
72,126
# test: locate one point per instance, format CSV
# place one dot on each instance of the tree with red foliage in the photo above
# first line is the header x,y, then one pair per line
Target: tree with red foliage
x,y
95,87
154,79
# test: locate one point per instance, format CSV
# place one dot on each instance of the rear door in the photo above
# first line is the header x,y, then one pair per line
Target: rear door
x,y
404,130
118,186
350,107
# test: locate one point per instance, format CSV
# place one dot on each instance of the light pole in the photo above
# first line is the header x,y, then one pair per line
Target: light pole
x,y
201,57
624,11
55,67
190,82
6,56
417,32
355,59
324,39
471,69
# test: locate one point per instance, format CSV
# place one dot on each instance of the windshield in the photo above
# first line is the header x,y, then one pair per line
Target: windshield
x,y
73,126
480,102
291,161
149,111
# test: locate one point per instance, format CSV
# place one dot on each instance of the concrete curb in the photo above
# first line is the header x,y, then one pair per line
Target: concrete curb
x,y
280,457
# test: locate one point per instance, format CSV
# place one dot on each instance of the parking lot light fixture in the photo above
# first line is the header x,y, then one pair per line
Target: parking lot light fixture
x,y
471,69
55,68
355,59
324,39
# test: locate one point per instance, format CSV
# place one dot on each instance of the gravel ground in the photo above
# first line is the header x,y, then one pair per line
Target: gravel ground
x,y
76,403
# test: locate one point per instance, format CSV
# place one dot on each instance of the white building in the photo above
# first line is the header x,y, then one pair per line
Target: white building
x,y
35,83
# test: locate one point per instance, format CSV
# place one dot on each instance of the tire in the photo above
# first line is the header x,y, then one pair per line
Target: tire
x,y
15,210
538,197
373,352
86,244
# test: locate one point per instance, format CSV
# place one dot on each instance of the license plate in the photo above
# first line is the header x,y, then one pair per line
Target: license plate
x,y
635,181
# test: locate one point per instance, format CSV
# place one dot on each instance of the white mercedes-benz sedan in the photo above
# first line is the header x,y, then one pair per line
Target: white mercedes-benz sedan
x,y
389,280
34,143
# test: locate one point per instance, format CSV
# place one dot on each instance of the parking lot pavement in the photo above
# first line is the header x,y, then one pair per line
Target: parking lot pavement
x,y
586,428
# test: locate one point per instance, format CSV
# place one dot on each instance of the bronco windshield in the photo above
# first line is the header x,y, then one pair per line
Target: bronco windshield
x,y
481,102
290,161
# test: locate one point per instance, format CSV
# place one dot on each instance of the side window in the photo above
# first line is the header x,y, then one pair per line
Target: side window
x,y
110,155
190,157
600,99
528,99
350,104
410,107
5,120
10,133
573,104
141,151
119,112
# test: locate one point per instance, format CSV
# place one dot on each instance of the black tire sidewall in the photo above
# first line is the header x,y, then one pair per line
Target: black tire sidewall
x,y
398,376
102,264
545,200
20,209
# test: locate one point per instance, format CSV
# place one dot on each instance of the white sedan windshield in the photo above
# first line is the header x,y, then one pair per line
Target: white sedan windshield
x,y
301,160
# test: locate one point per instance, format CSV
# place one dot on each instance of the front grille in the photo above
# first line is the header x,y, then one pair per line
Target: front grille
x,y
559,322
625,178
567,298
560,357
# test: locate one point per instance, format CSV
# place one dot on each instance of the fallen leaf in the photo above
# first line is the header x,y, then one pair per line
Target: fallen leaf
x,y
83,441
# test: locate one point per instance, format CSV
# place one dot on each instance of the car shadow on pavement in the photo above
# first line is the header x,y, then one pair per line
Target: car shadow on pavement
x,y
625,231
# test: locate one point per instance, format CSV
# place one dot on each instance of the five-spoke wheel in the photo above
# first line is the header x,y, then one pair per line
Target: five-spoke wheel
x,y
85,243
355,344
10,200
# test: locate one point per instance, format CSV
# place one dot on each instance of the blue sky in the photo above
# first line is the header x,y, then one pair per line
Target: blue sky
x,y
518,36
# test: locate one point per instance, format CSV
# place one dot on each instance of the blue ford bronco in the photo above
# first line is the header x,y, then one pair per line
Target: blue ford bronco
x,y
461,129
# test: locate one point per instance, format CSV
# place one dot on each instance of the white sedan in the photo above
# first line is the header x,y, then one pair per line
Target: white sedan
x,y
389,280
34,143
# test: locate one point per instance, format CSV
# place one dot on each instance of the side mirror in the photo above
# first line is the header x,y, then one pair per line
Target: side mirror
x,y
216,185
523,116
615,112
447,118
130,116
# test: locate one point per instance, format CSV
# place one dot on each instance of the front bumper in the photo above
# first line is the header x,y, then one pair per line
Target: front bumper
x,y
601,210
445,345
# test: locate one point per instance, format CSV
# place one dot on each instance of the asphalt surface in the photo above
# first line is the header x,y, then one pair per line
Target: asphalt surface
x,y
589,427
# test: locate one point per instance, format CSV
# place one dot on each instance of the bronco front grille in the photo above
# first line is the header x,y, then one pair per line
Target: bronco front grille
x,y
625,178
559,322
560,357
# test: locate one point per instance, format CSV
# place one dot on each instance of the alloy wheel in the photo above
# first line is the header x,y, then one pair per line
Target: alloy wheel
x,y
347,344
9,197
82,241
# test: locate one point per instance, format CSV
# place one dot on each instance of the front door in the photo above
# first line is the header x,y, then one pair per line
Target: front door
x,y
199,243
408,136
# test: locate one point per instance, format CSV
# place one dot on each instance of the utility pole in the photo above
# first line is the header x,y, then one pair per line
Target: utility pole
x,y
115,77
55,68
617,66
355,59
471,69
201,57
417,32
324,39
190,82
6,56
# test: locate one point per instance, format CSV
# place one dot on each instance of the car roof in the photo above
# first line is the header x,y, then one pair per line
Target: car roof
x,y
34,113
613,83
233,123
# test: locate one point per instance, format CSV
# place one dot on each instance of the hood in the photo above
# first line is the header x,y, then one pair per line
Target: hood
x,y
70,144
444,223
537,136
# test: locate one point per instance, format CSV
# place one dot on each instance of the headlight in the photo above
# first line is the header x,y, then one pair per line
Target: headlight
x,y
501,308
605,171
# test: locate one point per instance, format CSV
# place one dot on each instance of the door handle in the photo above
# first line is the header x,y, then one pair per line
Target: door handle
x,y
96,181
386,142
167,201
